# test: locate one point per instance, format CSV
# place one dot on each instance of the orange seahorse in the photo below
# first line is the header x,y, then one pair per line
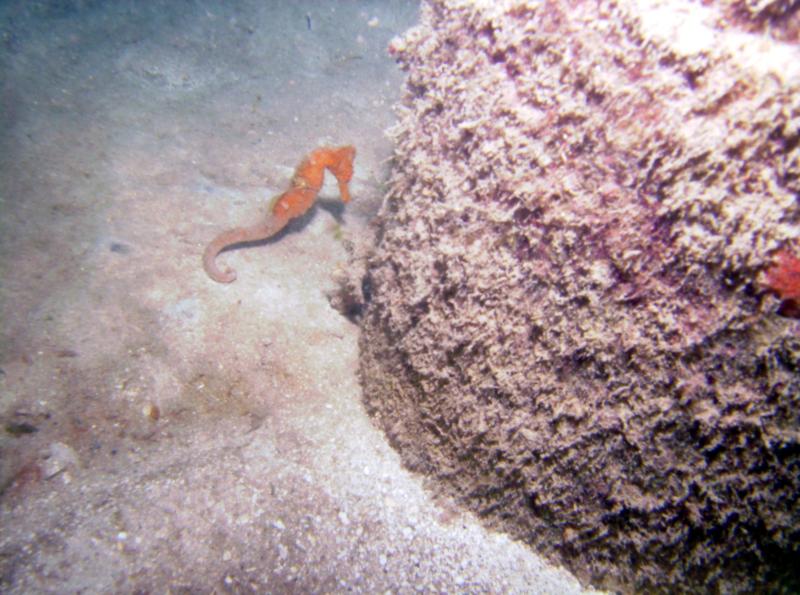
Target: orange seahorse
x,y
306,183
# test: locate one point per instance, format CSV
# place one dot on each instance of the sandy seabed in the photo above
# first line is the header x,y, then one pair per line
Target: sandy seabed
x,y
163,432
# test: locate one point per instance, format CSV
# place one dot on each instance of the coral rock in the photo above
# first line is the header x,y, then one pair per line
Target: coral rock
x,y
566,326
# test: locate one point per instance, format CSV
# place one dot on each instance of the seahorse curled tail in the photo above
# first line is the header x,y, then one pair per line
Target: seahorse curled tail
x,y
237,235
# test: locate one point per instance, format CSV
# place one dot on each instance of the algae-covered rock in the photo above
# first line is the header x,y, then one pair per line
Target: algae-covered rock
x,y
568,323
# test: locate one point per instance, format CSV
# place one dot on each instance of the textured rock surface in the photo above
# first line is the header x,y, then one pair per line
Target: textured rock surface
x,y
568,323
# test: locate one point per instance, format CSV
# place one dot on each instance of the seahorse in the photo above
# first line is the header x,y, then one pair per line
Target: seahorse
x,y
305,186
